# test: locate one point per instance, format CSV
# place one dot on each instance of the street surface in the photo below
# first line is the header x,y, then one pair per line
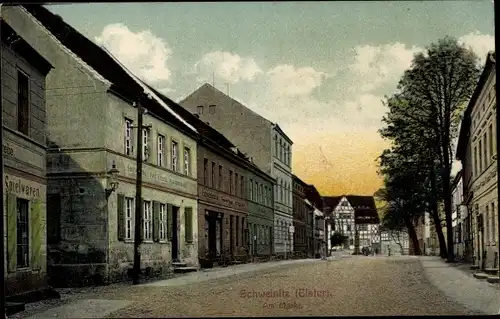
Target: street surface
x,y
352,285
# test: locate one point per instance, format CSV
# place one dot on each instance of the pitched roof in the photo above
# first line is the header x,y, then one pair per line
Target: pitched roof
x,y
297,180
208,133
102,64
10,38
331,201
466,120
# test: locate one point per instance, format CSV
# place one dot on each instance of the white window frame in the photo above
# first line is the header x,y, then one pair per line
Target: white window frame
x,y
187,161
147,221
129,217
161,150
128,137
175,151
145,144
162,227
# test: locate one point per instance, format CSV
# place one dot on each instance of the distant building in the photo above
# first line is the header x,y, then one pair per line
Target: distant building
x,y
394,243
300,212
235,197
316,207
458,211
23,106
263,141
350,211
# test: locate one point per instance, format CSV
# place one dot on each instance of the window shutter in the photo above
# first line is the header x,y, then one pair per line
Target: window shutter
x,y
156,221
11,232
120,216
37,231
142,221
170,229
188,215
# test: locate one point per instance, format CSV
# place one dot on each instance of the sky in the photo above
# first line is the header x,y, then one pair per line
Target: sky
x,y
318,69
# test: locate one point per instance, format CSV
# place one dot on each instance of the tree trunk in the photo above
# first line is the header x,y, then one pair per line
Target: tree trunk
x,y
414,239
445,174
435,216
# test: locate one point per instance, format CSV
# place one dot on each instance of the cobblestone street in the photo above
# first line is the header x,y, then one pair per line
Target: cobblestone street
x,y
349,286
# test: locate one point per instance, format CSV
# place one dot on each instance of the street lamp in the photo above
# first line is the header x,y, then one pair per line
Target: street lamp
x,y
112,180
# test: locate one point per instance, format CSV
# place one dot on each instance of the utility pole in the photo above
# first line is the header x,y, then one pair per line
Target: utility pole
x,y
2,204
138,197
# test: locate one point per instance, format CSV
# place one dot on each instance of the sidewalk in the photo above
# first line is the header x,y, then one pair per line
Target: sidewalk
x,y
461,286
215,273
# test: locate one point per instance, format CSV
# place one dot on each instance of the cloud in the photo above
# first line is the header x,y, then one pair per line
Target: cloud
x,y
481,44
376,66
228,67
145,54
286,80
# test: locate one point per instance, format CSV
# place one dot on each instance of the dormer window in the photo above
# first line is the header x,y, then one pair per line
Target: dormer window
x,y
200,109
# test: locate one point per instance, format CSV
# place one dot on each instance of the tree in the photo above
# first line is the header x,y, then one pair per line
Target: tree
x,y
423,119
437,86
337,239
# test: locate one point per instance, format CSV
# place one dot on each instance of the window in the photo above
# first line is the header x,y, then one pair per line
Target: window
x,y
128,137
490,133
200,109
237,231
261,193
281,151
281,191
175,151
22,103
187,161
221,179
275,146
145,144
289,159
251,190
205,171
161,149
211,109
255,192
493,222
148,234
129,213
480,152
231,188
487,233
476,168
23,244
265,195
348,227
162,222
242,185
236,180
213,185
485,150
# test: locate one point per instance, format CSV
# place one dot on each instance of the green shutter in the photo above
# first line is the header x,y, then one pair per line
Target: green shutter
x,y
170,226
156,221
120,216
37,232
188,231
141,221
11,232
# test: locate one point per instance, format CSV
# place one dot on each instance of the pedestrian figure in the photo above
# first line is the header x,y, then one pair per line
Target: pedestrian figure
x,y
389,249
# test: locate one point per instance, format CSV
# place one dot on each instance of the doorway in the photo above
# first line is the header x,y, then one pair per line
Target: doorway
x,y
175,233
214,222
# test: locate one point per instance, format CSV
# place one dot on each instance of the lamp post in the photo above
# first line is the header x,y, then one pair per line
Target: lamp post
x,y
112,180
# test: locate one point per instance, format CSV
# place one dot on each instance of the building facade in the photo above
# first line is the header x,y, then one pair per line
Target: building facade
x,y
235,207
300,213
23,106
264,142
91,218
316,205
477,151
457,216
